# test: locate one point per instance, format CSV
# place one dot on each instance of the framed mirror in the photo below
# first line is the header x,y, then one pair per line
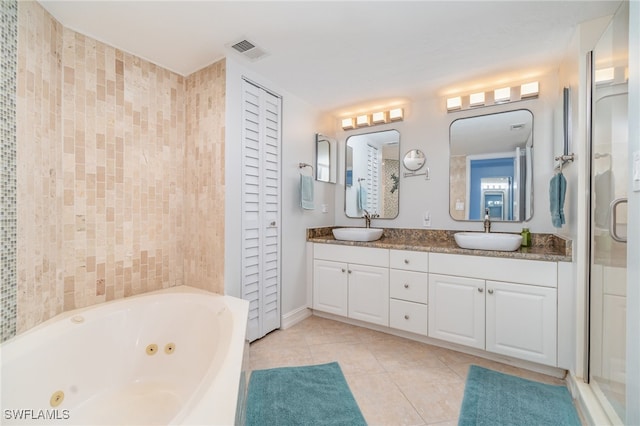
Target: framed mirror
x,y
491,166
414,160
372,174
326,158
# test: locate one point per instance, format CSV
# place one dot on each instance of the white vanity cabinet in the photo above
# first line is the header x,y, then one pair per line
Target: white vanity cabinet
x,y
408,282
505,306
521,321
352,282
331,292
457,311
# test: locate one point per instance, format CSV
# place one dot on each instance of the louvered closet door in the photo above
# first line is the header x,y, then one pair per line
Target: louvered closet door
x,y
261,209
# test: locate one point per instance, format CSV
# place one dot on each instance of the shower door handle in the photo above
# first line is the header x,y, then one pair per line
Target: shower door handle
x,y
613,216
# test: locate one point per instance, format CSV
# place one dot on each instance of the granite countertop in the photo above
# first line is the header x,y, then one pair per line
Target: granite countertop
x,y
549,247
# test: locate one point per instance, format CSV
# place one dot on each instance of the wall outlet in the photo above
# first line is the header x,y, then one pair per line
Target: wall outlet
x,y
459,205
426,220
324,208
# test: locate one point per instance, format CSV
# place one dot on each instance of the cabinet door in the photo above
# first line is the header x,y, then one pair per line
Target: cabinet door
x,y
521,321
330,287
456,310
369,294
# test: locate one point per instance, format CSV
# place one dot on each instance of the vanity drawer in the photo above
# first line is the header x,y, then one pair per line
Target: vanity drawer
x,y
409,260
408,316
521,271
351,254
409,285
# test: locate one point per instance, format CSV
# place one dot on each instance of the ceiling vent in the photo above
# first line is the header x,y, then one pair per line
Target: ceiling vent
x,y
248,49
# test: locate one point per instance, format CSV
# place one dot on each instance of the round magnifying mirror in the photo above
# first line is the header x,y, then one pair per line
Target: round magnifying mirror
x,y
414,160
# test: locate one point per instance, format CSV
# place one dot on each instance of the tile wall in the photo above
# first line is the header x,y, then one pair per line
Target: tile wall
x,y
204,178
117,185
458,185
8,289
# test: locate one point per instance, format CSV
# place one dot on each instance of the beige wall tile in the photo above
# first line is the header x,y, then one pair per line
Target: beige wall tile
x,y
120,172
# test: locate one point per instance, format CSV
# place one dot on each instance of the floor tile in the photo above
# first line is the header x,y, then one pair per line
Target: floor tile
x,y
395,381
381,401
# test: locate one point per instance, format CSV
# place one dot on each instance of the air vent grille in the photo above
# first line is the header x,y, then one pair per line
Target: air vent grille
x,y
243,46
248,49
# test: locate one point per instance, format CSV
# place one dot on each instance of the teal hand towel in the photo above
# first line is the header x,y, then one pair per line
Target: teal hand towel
x,y
306,192
557,190
362,198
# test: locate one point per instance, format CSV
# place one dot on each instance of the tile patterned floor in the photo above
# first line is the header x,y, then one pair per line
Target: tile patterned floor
x,y
394,380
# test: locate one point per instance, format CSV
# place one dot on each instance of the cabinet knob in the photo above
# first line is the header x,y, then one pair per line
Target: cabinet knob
x,y
406,285
406,261
406,317
490,291
349,271
480,289
344,270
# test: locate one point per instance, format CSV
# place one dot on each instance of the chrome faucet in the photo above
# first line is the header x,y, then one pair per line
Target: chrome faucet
x,y
367,218
487,221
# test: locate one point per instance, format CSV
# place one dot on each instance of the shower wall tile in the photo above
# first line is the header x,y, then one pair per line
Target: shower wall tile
x,y
204,178
101,150
8,281
40,159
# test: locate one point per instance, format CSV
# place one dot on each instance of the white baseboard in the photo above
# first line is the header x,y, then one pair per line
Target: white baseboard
x,y
292,318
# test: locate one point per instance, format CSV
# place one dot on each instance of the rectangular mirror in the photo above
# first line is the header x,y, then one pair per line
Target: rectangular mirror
x,y
326,158
372,174
491,166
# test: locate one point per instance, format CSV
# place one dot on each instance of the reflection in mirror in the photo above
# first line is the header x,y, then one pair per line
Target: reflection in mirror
x,y
326,158
414,160
491,166
372,174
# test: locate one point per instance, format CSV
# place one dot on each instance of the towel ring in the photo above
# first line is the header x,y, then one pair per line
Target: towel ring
x,y
303,165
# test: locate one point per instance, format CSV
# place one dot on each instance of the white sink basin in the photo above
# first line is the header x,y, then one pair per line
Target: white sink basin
x,y
357,234
488,241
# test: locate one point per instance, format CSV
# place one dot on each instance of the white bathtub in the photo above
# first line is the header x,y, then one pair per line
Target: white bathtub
x,y
98,358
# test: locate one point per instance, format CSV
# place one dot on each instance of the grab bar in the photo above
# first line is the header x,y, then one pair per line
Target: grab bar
x,y
613,232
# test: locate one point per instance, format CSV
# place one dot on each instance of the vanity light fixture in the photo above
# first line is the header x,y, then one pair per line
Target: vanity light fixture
x,y
363,120
454,103
604,74
491,97
396,114
378,117
476,99
347,123
502,95
529,90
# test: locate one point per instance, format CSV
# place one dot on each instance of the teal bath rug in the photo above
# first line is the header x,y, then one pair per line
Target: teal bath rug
x,y
493,398
311,395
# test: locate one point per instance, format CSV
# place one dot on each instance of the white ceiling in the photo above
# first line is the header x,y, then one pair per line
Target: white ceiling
x,y
341,55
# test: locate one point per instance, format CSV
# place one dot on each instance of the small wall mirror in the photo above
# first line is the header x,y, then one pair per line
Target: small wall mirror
x,y
491,166
372,174
414,160
326,158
